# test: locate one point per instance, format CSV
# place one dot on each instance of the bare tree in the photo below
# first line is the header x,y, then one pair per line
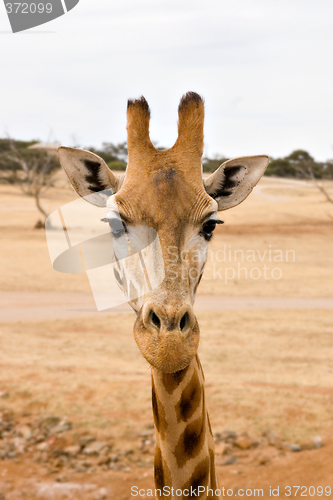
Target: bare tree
x,y
307,168
323,190
34,171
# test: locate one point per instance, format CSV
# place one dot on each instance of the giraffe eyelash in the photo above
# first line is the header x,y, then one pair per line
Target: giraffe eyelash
x,y
208,228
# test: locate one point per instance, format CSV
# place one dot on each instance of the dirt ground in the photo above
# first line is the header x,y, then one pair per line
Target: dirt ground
x,y
311,469
266,349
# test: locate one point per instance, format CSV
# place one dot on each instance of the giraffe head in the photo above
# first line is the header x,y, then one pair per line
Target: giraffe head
x,y
165,192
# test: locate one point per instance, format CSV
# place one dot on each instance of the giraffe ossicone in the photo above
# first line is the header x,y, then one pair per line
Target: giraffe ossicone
x,y
163,200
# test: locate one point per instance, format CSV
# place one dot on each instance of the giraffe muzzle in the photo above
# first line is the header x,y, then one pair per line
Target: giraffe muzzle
x,y
167,337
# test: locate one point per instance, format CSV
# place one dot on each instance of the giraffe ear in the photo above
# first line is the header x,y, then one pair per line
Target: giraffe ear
x,y
234,180
89,175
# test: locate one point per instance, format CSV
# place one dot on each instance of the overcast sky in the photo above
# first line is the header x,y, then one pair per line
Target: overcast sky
x,y
264,68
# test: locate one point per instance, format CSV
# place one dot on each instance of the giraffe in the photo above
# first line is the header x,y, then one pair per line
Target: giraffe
x,y
164,190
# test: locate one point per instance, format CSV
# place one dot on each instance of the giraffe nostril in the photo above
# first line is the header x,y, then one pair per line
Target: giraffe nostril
x,y
155,320
184,321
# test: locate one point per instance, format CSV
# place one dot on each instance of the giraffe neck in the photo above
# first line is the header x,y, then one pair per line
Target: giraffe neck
x,y
184,456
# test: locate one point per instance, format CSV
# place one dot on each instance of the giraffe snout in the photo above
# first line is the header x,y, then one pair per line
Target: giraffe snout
x,y
167,336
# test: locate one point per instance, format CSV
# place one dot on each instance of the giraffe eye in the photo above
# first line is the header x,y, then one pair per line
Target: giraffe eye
x,y
208,228
118,228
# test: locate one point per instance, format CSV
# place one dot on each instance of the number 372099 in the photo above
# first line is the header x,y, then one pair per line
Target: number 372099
x,y
28,8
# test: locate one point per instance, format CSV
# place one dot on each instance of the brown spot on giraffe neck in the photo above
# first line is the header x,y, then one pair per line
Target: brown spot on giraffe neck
x,y
155,407
200,477
172,380
161,470
158,469
190,399
191,441
160,421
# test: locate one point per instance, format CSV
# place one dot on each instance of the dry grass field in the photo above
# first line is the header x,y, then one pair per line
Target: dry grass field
x,y
264,367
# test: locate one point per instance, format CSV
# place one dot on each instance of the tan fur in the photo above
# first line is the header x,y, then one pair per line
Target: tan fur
x,y
144,158
184,439
164,190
